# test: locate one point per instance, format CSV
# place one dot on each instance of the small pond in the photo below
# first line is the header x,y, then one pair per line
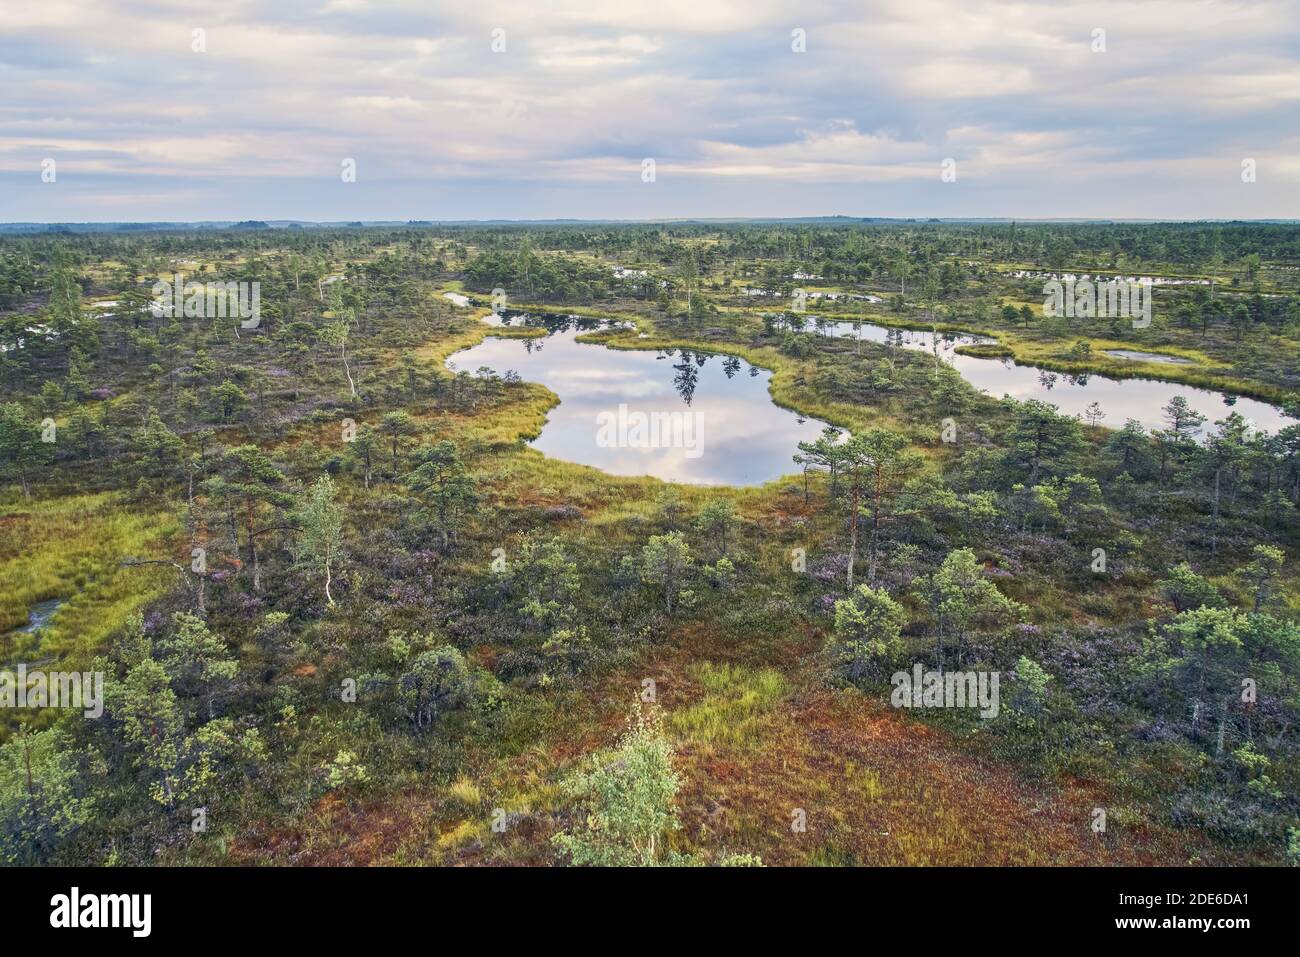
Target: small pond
x,y
681,416
1120,399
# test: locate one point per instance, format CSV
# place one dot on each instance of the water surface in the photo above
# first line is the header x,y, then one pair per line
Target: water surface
x,y
1137,355
728,430
1120,399
42,612
37,616
723,428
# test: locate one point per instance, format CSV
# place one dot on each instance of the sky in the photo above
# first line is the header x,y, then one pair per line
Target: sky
x,y
171,110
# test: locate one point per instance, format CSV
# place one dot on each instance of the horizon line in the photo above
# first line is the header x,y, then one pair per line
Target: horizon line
x,y
420,222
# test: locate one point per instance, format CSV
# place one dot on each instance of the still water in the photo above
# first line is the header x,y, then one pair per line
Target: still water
x,y
679,416
1120,399
717,423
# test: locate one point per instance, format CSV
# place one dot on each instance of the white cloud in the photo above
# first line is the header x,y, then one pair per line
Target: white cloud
x,y
712,90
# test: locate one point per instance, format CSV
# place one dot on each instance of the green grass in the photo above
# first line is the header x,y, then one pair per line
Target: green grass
x,y
1206,373
735,700
71,548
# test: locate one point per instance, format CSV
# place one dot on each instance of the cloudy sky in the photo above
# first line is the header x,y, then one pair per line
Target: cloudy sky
x,y
258,124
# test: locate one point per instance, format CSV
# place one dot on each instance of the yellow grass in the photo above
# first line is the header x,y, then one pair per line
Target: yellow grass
x,y
72,548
